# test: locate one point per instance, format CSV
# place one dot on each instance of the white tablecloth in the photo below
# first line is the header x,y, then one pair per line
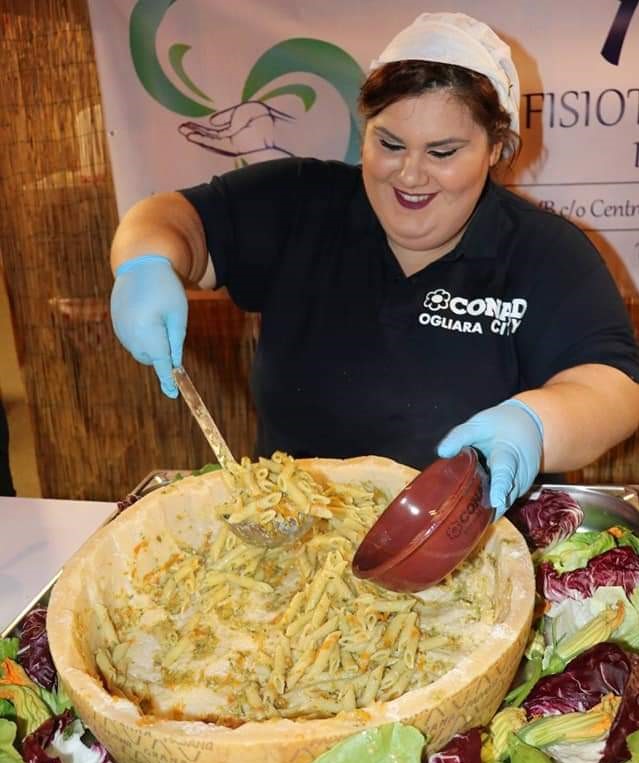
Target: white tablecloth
x,y
37,536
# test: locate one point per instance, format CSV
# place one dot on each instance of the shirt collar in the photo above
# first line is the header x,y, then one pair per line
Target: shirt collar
x,y
481,237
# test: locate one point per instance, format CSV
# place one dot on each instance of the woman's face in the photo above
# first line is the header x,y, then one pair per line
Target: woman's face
x,y
424,164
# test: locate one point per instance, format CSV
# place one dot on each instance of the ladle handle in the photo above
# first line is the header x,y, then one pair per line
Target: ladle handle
x,y
203,418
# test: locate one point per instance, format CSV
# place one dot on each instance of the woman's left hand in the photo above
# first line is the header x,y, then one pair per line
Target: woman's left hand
x,y
510,436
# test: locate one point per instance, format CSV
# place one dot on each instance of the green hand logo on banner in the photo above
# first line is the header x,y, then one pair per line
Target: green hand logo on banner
x,y
248,127
323,59
146,18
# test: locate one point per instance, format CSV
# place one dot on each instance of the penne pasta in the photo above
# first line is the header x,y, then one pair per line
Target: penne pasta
x,y
286,632
323,654
321,610
368,695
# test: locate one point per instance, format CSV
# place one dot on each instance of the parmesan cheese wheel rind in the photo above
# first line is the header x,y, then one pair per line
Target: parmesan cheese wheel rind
x,y
466,696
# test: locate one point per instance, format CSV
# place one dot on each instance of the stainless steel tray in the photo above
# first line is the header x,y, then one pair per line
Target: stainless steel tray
x,y
603,506
157,479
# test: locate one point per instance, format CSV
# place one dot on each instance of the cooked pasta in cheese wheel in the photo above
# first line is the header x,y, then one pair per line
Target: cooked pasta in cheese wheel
x,y
167,623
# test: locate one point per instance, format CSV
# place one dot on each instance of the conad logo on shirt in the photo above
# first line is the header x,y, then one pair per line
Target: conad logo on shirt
x,y
472,316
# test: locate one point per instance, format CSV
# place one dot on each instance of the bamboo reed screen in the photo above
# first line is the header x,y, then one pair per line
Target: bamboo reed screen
x,y
100,422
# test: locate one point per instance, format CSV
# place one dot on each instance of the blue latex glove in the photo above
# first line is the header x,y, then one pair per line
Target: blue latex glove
x,y
149,311
510,436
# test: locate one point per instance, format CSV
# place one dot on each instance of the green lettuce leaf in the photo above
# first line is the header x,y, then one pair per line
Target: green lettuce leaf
x,y
391,742
628,539
577,550
205,469
533,671
520,752
8,648
632,740
8,753
57,701
7,710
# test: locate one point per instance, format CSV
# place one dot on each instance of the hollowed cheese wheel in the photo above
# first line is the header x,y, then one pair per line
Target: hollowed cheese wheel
x,y
466,696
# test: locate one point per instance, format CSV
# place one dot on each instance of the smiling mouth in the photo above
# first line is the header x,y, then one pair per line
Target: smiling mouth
x,y
413,200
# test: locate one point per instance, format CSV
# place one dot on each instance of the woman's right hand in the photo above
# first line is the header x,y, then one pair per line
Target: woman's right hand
x,y
149,312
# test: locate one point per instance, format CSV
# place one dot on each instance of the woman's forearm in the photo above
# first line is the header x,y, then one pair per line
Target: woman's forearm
x,y
585,411
165,224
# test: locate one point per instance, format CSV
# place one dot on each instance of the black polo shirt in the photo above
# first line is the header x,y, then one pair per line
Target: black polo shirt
x,y
354,357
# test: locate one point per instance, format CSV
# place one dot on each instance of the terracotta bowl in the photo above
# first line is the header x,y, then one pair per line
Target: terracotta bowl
x,y
429,528
464,697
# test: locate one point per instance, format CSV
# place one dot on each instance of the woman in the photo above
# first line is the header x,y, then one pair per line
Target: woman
x,y
407,300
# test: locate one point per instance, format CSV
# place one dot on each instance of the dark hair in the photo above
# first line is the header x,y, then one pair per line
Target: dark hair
x,y
405,79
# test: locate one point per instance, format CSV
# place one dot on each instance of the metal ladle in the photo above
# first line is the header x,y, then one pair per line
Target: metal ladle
x,y
280,530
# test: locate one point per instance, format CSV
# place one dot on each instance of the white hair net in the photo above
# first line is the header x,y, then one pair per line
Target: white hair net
x,y
455,38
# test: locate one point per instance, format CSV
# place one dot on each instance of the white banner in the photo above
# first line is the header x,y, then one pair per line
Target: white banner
x,y
192,88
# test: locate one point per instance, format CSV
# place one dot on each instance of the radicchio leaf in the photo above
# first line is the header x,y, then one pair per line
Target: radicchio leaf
x,y
99,748
602,669
616,567
35,744
547,519
627,718
34,654
127,501
462,748
65,735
